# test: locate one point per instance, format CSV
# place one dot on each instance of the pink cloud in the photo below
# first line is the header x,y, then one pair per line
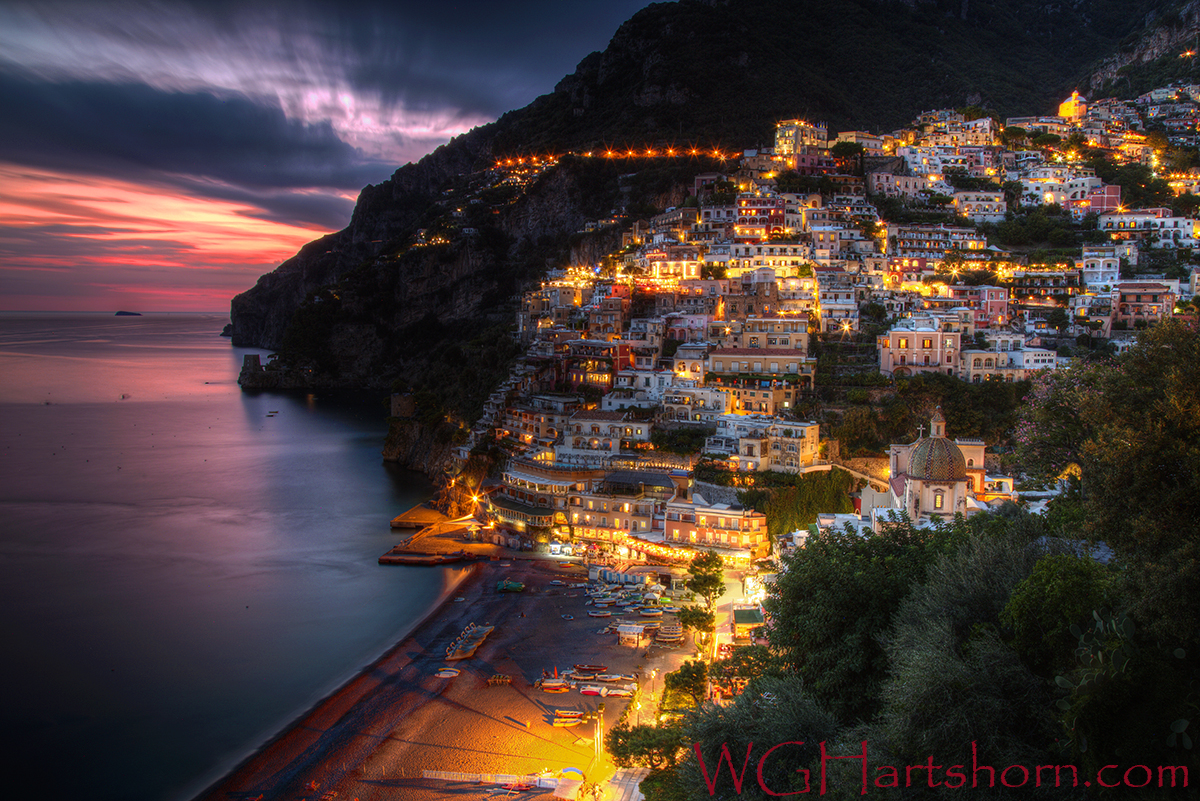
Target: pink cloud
x,y
84,243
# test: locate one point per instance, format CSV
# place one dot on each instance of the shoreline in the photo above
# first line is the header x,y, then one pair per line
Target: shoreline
x,y
213,789
374,736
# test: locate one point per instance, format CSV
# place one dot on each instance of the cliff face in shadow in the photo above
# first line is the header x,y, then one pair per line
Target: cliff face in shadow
x,y
433,258
384,215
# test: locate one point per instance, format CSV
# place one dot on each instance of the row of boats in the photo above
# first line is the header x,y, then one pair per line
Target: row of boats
x,y
604,691
467,643
571,680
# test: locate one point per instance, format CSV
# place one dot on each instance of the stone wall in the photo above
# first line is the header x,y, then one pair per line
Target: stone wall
x,y
714,493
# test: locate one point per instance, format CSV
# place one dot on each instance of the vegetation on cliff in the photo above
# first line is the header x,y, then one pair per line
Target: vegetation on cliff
x,y
359,307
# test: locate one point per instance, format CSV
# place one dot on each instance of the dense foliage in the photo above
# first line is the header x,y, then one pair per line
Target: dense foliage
x,y
1001,637
683,72
987,411
794,501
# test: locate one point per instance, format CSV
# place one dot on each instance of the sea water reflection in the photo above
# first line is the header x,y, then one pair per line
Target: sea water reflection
x,y
183,566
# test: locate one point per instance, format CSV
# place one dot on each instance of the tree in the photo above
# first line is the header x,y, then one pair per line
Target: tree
x,y
846,150
1062,590
1046,140
1058,319
858,431
1061,414
691,680
655,747
771,711
1131,427
952,679
1013,137
834,600
747,662
697,619
707,577
1013,191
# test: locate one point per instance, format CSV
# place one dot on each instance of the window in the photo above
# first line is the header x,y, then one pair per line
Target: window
x,y
938,500
927,343
903,343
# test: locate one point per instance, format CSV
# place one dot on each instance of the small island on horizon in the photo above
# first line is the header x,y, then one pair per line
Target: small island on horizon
x,y
128,314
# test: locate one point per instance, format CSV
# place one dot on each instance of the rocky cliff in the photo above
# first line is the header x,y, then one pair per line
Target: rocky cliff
x,y
419,447
1167,34
384,215
377,300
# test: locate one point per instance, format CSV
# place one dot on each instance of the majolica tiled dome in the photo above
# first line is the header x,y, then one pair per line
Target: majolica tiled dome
x,y
937,459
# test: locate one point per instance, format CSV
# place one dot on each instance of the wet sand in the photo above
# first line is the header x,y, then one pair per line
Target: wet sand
x,y
373,737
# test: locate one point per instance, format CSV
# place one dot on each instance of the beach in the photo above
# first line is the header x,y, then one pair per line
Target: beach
x,y
373,738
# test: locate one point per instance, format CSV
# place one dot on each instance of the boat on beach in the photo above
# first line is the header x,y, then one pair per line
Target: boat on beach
x,y
601,613
467,643
650,613
568,713
590,668
591,689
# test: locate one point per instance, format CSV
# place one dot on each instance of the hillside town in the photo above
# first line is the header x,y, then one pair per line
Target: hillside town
x,y
704,326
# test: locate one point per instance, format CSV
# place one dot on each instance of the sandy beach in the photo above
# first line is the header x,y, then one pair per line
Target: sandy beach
x,y
373,737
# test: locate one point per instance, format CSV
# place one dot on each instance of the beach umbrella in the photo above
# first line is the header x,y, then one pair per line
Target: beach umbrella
x,y
573,773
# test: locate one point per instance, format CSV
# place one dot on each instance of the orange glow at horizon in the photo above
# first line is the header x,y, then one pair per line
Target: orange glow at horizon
x,y
161,231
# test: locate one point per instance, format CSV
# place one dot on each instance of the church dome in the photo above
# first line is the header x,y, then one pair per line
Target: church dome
x,y
937,459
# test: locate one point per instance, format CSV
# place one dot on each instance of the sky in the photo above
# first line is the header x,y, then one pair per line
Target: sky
x,y
160,156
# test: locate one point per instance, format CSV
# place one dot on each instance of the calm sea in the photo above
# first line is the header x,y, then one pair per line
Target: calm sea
x,y
184,567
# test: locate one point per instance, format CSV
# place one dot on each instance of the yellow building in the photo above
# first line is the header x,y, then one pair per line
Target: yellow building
x,y
1074,107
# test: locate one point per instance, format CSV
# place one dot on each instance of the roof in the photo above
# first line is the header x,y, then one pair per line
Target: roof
x,y
937,459
592,415
639,477
747,617
784,353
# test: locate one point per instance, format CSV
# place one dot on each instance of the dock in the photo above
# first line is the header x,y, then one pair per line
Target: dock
x,y
398,556
418,517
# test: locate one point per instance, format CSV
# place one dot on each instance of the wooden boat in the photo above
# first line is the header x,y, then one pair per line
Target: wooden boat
x,y
602,613
518,787
592,689
447,673
650,613
590,668
618,692
568,713
560,722
555,688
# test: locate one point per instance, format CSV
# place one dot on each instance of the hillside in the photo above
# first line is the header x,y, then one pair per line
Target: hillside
x,y
371,304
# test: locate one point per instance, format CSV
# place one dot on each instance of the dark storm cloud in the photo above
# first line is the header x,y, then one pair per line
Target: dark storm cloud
x,y
126,130
181,148
477,56
322,209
